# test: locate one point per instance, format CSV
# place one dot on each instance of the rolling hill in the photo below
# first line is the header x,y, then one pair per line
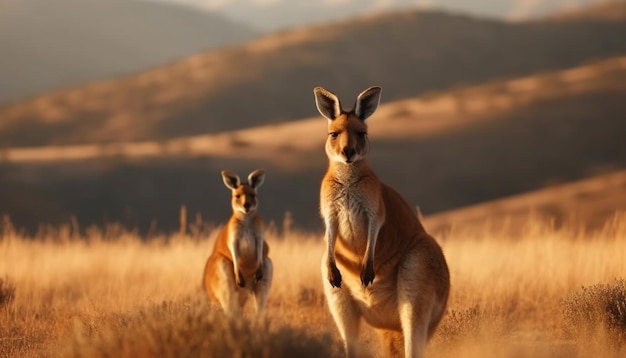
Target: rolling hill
x,y
442,151
281,14
269,80
588,203
611,10
50,44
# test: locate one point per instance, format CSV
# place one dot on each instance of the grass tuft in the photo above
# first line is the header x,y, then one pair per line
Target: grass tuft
x,y
7,292
598,308
191,329
470,324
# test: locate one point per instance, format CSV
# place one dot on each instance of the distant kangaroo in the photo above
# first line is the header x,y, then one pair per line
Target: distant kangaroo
x,y
380,263
239,266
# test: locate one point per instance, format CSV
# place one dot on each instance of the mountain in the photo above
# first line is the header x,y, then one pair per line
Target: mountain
x,y
605,11
269,80
274,15
588,203
50,44
441,150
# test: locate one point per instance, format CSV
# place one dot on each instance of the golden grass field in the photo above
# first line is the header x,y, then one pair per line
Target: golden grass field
x,y
517,291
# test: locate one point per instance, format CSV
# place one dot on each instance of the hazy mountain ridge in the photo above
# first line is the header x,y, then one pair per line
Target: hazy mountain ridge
x,y
414,118
441,151
51,44
281,14
446,148
585,203
614,10
269,80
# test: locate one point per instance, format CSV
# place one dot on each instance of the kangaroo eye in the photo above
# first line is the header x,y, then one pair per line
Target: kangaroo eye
x,y
252,196
333,134
362,134
237,196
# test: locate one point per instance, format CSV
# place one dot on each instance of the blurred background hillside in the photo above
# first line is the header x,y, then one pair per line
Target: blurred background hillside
x,y
272,15
126,110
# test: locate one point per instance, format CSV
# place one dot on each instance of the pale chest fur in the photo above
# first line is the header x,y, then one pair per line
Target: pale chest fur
x,y
247,240
350,207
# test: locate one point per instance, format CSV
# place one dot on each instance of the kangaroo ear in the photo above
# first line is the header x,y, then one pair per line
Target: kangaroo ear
x,y
367,102
231,180
327,103
256,178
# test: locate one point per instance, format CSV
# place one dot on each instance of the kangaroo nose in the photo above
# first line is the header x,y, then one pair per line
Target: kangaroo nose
x,y
348,153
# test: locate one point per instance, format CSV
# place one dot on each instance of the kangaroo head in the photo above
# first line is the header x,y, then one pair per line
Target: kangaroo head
x,y
347,131
244,195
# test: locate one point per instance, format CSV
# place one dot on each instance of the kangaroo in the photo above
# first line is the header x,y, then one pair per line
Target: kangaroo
x,y
239,266
380,263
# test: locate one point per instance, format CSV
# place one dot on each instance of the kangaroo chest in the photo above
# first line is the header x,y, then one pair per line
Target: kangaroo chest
x,y
351,209
246,241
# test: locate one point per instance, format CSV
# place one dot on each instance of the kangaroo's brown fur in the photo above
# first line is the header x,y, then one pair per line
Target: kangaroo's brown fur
x,y
380,263
239,266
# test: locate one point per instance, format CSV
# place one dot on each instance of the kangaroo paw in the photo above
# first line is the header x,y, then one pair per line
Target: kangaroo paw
x,y
241,282
258,275
334,276
367,274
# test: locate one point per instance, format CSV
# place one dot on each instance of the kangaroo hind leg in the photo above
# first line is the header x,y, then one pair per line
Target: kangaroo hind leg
x,y
416,301
223,286
391,342
345,313
262,288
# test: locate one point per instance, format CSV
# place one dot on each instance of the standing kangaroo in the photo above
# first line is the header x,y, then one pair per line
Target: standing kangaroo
x,y
380,263
239,266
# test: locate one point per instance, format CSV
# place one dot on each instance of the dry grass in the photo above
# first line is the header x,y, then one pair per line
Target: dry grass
x,y
514,294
